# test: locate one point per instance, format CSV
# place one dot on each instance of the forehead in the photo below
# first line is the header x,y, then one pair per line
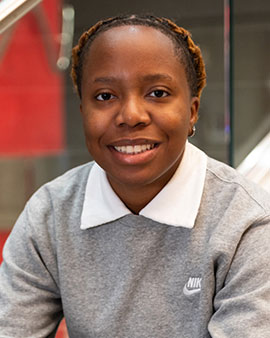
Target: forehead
x,y
143,32
133,38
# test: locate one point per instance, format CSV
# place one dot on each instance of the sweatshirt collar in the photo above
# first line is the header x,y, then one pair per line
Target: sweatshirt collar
x,y
177,204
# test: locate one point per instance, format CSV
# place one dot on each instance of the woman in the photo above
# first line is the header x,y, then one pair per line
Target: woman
x,y
154,239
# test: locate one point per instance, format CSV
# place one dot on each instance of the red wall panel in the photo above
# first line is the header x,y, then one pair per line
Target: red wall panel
x,y
31,92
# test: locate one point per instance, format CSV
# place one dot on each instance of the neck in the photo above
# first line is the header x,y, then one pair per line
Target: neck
x,y
136,196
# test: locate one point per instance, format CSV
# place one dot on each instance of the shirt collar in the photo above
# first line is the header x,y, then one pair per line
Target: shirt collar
x,y
177,204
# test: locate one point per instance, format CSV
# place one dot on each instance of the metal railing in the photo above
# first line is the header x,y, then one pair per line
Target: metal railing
x,y
58,54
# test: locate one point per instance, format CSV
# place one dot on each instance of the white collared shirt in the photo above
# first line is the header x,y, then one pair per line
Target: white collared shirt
x,y
177,204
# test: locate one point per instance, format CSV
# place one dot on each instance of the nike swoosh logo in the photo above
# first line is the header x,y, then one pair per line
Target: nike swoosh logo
x,y
188,292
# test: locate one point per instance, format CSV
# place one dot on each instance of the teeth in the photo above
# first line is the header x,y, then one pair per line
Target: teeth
x,y
137,149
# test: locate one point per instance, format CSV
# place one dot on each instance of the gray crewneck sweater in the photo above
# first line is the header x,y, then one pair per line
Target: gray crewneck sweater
x,y
134,277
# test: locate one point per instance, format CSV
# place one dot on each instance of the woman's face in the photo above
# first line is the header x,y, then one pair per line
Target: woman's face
x,y
136,106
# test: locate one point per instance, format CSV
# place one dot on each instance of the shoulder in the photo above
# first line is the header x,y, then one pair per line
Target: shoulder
x,y
70,181
233,190
53,208
63,191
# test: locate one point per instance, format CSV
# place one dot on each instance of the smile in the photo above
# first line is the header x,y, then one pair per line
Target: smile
x,y
136,149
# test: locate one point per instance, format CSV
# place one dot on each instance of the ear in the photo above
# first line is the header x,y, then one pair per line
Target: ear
x,y
194,109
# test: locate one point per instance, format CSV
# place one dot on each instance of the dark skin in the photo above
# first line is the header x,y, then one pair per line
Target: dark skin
x,y
137,110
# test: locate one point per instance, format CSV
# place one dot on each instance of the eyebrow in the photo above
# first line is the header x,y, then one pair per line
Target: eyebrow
x,y
105,79
144,78
156,77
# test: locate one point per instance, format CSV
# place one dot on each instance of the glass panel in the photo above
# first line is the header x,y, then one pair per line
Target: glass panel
x,y
251,74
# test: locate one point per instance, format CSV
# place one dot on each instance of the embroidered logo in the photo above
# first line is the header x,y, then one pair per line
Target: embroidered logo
x,y
192,286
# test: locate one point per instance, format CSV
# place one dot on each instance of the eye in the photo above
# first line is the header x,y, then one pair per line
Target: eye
x,y
159,93
104,97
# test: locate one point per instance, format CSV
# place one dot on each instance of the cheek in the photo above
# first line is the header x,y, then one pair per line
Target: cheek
x,y
175,124
92,136
88,127
94,125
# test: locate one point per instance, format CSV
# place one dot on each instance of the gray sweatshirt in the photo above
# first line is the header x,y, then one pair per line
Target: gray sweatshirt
x,y
134,277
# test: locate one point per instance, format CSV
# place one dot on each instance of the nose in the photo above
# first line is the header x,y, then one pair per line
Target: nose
x,y
132,113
